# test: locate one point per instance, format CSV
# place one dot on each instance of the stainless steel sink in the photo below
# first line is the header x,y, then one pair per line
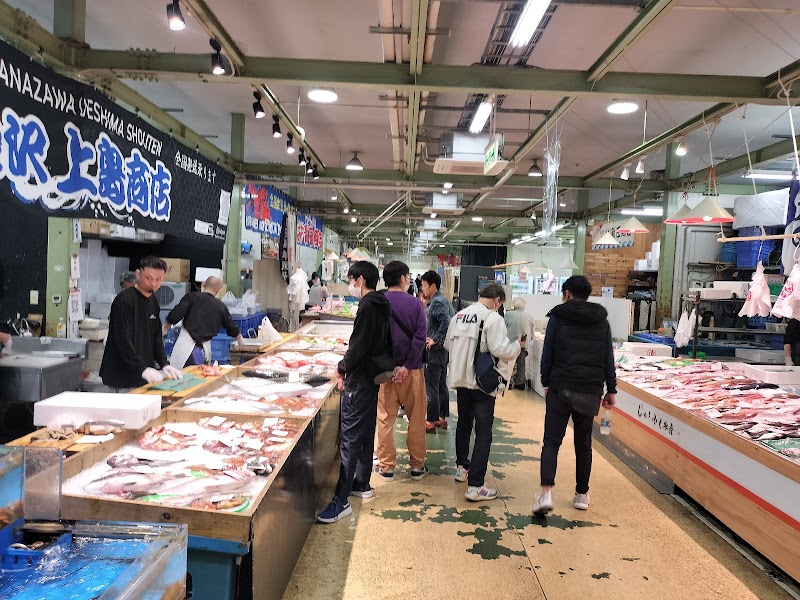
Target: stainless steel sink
x,y
39,345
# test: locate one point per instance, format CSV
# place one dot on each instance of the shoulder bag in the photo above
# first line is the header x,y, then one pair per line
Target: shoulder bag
x,y
486,375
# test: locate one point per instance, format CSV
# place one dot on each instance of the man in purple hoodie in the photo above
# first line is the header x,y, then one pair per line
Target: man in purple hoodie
x,y
409,330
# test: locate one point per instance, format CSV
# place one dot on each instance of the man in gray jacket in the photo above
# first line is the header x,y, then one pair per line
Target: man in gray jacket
x,y
439,312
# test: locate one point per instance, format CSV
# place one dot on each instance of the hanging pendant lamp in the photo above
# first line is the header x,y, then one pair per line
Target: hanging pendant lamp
x,y
708,211
679,216
607,240
569,265
633,225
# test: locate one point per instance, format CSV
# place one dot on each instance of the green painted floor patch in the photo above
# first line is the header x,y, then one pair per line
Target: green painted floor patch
x,y
478,517
631,559
601,576
520,521
488,546
543,541
412,502
401,515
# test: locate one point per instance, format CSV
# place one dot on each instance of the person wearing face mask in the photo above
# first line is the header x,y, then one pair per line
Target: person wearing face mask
x,y
356,374
475,407
135,347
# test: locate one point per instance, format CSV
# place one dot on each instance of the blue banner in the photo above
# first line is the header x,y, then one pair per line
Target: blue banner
x,y
264,207
309,231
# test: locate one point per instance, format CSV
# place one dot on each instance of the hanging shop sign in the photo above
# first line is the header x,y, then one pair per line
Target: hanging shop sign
x,y
70,150
264,207
309,231
625,239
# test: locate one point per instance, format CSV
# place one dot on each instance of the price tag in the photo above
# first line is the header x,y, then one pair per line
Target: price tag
x,y
254,444
169,439
270,421
279,432
216,421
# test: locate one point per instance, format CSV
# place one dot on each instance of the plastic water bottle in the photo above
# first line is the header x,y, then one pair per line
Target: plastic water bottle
x,y
61,328
605,422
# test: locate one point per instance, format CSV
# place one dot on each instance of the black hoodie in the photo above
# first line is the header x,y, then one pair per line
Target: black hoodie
x,y
578,353
371,336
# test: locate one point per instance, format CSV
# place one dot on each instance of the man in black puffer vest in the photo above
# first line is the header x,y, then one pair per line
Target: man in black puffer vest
x,y
577,362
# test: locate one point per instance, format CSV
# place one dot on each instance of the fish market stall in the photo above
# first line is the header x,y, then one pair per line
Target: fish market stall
x,y
726,438
327,328
42,556
312,344
194,379
243,485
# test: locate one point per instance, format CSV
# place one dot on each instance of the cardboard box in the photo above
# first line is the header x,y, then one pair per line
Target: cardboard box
x,y
95,227
177,270
738,288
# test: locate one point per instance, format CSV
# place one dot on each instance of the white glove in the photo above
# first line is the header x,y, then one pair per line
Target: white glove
x,y
151,375
789,362
6,348
171,372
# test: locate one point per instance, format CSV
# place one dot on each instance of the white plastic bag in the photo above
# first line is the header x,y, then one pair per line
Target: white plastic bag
x,y
788,303
268,332
758,302
249,298
229,299
682,332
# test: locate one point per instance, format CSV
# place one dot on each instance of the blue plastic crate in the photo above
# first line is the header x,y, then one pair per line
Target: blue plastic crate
x,y
221,348
761,322
749,253
656,339
728,252
249,324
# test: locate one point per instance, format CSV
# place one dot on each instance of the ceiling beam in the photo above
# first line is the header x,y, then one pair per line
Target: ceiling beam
x,y
436,78
419,26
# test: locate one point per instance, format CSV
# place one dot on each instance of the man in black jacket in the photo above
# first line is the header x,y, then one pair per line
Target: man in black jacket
x,y
135,347
203,314
356,373
577,361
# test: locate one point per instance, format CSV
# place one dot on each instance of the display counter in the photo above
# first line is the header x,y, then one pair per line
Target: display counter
x,y
753,490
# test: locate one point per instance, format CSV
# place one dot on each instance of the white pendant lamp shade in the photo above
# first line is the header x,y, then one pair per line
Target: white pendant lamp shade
x,y
570,265
607,240
633,225
679,216
708,211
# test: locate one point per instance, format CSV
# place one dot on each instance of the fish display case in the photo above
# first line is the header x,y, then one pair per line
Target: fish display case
x,y
311,344
83,560
243,486
728,440
327,328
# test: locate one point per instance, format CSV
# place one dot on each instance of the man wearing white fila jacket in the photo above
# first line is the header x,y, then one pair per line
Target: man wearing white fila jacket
x,y
475,407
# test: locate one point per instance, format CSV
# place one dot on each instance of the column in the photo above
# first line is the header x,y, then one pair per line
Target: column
x,y
69,20
580,232
60,248
233,242
669,235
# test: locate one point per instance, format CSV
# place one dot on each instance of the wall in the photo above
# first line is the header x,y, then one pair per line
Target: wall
x,y
417,265
246,261
23,258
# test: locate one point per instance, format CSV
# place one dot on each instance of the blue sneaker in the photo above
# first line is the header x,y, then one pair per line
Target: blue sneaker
x,y
335,510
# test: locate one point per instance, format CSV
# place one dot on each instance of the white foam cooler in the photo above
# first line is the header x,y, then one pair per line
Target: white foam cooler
x,y
645,349
135,410
779,375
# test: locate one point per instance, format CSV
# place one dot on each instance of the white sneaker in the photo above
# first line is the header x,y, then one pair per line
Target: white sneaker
x,y
461,473
478,494
581,501
375,461
544,505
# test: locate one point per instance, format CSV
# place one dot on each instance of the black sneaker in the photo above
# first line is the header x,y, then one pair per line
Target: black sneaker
x,y
417,474
384,474
362,491
335,510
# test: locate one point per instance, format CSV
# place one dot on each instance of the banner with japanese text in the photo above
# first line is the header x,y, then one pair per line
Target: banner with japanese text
x,y
69,149
309,231
264,207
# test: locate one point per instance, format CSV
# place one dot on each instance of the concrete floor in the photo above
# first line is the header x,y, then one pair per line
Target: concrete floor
x,y
424,540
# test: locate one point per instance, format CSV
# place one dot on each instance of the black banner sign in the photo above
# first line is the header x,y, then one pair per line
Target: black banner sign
x,y
68,148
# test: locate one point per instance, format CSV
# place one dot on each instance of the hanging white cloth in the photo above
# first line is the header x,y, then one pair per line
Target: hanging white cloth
x,y
183,349
327,270
758,302
298,288
788,303
682,332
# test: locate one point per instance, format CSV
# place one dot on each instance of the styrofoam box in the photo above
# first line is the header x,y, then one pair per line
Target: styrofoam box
x,y
641,265
766,357
777,374
645,349
135,410
711,293
740,288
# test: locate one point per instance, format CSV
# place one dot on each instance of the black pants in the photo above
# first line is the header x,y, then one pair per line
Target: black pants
x,y
555,426
358,418
474,409
437,392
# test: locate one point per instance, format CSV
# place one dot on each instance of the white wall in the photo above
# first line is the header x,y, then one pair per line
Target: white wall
x,y
417,266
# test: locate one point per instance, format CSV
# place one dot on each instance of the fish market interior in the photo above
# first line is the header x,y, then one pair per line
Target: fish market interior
x,y
399,298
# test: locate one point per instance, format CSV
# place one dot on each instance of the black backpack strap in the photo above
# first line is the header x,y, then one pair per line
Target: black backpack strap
x,y
403,326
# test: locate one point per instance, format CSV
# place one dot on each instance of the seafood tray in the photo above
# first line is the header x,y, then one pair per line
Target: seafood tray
x,y
309,343
259,400
327,328
319,363
207,470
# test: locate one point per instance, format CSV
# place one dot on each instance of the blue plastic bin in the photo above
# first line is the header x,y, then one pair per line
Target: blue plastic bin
x,y
749,253
250,322
221,348
761,322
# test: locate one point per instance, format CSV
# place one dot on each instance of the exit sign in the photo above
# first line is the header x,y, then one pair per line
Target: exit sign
x,y
491,155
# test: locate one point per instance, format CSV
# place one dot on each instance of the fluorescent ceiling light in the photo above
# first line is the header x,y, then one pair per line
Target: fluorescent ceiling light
x,y
622,107
681,149
477,219
481,117
572,242
447,185
528,22
322,94
174,16
647,212
334,196
769,175
354,164
562,204
388,239
441,245
433,215
515,241
390,243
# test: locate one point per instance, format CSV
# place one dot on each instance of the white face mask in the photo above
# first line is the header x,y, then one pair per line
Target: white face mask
x,y
354,291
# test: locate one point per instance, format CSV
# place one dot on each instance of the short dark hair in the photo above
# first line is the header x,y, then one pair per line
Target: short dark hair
x,y
128,277
367,270
578,286
394,272
432,278
314,276
153,262
493,290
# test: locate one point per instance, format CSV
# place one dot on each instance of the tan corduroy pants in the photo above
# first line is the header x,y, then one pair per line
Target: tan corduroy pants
x,y
411,394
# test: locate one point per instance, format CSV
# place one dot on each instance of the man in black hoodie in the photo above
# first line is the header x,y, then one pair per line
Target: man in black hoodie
x,y
577,361
356,372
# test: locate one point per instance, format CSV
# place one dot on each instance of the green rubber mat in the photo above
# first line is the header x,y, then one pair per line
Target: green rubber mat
x,y
177,385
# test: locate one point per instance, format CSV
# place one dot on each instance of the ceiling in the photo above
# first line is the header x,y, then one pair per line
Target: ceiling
x,y
751,39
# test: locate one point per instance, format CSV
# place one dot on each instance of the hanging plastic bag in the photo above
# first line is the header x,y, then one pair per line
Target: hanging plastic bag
x,y
229,299
758,302
788,303
268,332
682,332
